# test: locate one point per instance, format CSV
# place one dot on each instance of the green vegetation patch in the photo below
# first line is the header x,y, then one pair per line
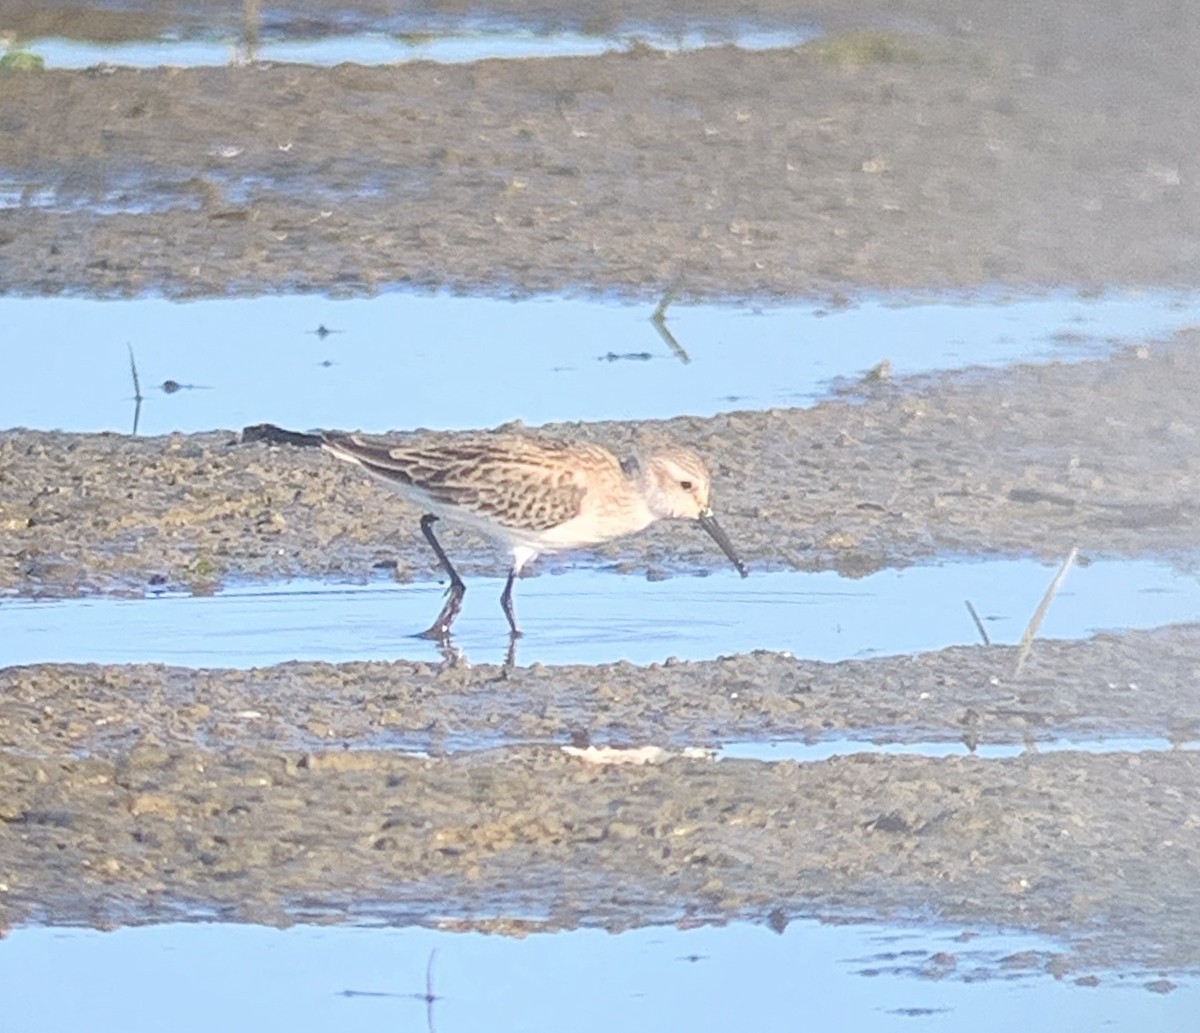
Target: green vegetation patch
x,y
21,61
865,48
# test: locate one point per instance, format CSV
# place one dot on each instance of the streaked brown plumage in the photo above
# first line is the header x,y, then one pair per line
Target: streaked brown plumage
x,y
532,494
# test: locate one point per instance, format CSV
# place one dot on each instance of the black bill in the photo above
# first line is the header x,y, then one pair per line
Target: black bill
x,y
709,523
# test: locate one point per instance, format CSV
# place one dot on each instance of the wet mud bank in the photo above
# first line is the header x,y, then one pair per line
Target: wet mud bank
x,y
551,842
1133,683
1015,461
967,145
144,793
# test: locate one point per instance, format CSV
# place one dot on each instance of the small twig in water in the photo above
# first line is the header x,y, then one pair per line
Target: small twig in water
x,y
660,310
137,387
978,623
137,390
429,997
1035,621
671,343
659,318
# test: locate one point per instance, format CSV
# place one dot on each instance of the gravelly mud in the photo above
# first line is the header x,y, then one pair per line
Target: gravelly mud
x,y
533,834
1101,455
1134,683
145,793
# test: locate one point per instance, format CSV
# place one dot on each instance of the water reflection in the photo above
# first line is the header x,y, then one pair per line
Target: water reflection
x,y
168,387
463,41
870,978
592,616
658,319
429,997
814,752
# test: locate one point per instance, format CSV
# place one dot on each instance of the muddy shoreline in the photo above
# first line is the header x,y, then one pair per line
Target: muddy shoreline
x,y
976,463
966,146
143,793
959,148
1128,684
555,843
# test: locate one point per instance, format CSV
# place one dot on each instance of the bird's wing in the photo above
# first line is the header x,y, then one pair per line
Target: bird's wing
x,y
517,481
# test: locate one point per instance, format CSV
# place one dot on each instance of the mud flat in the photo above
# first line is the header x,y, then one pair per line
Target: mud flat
x,y
144,793
1033,461
960,145
1132,683
1098,850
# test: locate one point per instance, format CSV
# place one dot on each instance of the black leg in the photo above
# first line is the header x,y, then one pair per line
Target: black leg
x,y
440,629
506,602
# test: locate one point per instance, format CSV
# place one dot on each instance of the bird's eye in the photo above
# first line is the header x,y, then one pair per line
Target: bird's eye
x,y
686,485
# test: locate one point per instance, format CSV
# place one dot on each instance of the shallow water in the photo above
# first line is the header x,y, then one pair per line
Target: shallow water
x,y
860,977
382,48
583,616
404,361
392,367
811,752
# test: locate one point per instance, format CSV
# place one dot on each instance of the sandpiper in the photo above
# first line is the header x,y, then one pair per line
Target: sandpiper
x,y
532,495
